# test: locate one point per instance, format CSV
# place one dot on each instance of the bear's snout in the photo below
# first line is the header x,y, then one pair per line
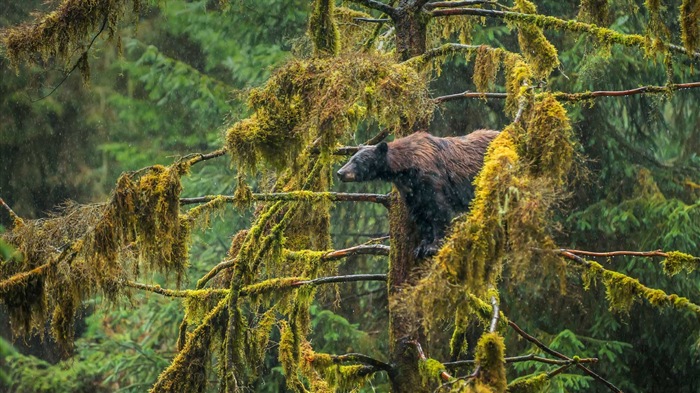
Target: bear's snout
x,y
345,175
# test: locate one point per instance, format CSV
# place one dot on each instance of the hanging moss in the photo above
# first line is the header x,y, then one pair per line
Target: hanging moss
x,y
317,100
490,356
486,68
518,82
537,50
689,16
547,146
594,11
188,371
323,29
62,33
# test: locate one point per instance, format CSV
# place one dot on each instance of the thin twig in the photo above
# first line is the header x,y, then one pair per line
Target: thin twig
x,y
377,5
372,20
13,215
199,157
656,253
77,63
450,4
559,355
469,94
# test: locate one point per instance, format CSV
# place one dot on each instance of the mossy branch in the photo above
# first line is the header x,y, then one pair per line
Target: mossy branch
x,y
549,22
573,97
298,196
623,290
358,358
348,278
17,220
526,358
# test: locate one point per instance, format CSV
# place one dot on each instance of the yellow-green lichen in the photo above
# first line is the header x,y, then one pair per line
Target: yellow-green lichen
x,y
690,27
486,66
537,50
530,384
430,370
323,29
490,356
676,261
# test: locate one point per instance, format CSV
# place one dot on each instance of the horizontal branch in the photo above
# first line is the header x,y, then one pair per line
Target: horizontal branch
x,y
360,358
377,5
348,278
525,358
469,94
382,199
368,249
372,20
199,157
550,22
444,375
452,4
657,253
580,96
270,285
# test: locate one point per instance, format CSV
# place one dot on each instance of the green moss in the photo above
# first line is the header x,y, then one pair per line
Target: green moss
x,y
689,16
486,66
323,29
537,50
490,356
677,261
532,384
430,370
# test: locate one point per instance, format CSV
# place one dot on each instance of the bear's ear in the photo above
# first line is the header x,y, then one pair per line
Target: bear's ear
x,y
382,147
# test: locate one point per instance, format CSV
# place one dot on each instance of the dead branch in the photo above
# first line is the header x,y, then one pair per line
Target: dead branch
x,y
469,94
524,358
348,278
377,5
13,215
362,359
444,375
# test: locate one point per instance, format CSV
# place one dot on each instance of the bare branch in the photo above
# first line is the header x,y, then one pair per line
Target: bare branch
x,y
348,278
377,5
371,20
382,199
199,157
559,355
469,94
657,253
494,319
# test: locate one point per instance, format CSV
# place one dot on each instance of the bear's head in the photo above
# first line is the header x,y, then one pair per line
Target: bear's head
x,y
369,163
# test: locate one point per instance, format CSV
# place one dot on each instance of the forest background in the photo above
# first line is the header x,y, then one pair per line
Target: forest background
x,y
182,79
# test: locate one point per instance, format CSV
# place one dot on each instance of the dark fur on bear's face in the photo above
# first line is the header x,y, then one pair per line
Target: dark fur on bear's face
x,y
369,163
433,175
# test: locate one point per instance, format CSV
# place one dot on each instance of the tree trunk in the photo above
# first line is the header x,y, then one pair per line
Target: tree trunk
x,y
404,323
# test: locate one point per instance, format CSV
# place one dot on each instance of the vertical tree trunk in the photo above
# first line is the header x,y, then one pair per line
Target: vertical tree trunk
x,y
404,324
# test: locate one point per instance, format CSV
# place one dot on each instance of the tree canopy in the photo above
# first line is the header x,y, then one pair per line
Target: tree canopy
x,y
572,271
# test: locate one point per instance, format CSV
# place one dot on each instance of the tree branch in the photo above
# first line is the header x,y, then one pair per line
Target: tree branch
x,y
15,218
372,20
360,358
377,5
199,157
525,358
657,253
559,355
580,96
452,4
348,278
382,199
550,22
444,375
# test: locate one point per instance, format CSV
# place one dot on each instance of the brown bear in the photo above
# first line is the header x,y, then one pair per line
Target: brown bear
x,y
433,175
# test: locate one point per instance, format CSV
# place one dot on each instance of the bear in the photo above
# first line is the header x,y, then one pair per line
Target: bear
x,y
434,177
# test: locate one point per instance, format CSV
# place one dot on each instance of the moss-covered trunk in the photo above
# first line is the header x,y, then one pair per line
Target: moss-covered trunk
x,y
404,325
